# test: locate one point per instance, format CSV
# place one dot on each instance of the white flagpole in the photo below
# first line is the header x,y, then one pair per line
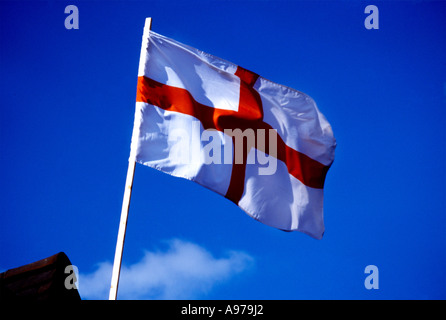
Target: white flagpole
x,y
128,190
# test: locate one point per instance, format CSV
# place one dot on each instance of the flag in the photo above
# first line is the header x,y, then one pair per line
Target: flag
x,y
264,146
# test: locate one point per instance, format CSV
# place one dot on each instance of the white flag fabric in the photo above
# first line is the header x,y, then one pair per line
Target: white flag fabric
x,y
264,146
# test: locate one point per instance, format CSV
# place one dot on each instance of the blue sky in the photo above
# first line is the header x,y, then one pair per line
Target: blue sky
x,y
66,116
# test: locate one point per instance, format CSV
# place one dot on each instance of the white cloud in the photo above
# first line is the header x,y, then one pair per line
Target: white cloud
x,y
184,271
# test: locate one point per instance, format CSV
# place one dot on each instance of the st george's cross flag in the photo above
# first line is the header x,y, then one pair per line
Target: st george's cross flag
x,y
262,145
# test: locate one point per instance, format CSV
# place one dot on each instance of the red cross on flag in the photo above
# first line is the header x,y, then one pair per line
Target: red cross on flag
x,y
264,146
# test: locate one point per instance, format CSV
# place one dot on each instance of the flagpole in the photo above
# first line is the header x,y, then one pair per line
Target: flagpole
x,y
127,192
122,229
